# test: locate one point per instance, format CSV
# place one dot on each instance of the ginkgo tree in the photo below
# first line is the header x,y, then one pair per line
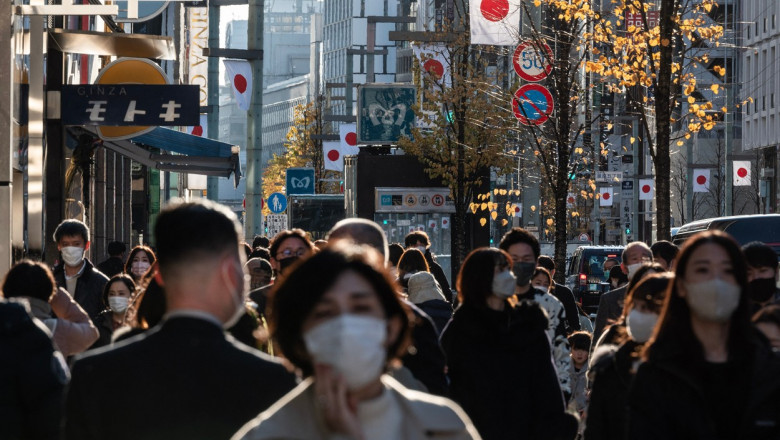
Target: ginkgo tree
x,y
650,62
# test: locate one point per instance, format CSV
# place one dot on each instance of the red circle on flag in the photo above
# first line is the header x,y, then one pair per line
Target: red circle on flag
x,y
239,82
742,172
701,180
646,188
333,155
570,200
494,10
197,130
435,68
351,138
517,209
605,196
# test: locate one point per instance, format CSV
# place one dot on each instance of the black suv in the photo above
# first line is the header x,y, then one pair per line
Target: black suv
x,y
585,276
744,229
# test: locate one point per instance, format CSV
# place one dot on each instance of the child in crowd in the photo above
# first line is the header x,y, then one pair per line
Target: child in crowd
x,y
580,347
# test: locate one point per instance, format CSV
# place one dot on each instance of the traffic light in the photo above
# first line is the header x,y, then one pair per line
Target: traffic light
x,y
628,228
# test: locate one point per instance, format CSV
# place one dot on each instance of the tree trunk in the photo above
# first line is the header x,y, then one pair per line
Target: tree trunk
x,y
663,106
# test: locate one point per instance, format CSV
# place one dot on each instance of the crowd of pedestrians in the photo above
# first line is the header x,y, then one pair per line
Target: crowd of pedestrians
x,y
207,337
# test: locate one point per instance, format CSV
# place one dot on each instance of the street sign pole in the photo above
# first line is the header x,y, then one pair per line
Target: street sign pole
x,y
254,151
212,182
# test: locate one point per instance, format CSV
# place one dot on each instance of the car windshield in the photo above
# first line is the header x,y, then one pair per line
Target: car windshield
x,y
594,264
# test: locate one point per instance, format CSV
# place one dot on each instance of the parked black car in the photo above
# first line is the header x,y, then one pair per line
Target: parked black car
x,y
744,229
585,276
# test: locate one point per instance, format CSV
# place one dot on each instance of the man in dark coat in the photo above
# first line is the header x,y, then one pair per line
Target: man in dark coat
x,y
76,274
32,376
184,378
611,303
115,263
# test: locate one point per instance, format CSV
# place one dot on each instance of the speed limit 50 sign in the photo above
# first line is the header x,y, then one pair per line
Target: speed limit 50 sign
x,y
531,63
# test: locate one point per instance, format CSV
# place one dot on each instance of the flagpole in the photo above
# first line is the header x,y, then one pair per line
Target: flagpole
x,y
212,182
254,147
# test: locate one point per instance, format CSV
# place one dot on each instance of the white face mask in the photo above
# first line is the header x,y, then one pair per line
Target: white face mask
x,y
239,299
541,287
138,268
640,325
713,300
118,304
504,284
352,345
72,255
632,268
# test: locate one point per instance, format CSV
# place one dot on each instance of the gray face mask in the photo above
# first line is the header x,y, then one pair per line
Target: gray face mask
x,y
713,300
504,284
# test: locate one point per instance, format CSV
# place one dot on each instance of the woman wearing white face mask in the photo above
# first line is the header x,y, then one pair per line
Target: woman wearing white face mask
x,y
139,261
498,356
613,366
707,374
116,298
338,320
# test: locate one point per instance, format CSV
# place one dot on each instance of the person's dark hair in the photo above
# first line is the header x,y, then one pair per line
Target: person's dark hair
x,y
147,307
617,273
759,254
412,260
545,272
116,248
520,235
260,241
613,260
199,230
394,252
644,270
293,299
673,336
71,227
261,252
651,289
546,262
413,237
580,340
769,314
29,278
475,279
118,278
247,249
360,231
664,249
263,264
133,252
300,234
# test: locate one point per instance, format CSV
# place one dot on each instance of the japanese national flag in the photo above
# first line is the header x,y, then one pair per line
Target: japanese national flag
x,y
646,189
240,74
570,199
518,210
434,61
701,180
348,135
605,199
741,173
202,129
432,224
445,222
333,154
495,22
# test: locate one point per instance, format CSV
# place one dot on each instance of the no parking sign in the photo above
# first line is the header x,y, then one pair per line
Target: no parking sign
x,y
532,104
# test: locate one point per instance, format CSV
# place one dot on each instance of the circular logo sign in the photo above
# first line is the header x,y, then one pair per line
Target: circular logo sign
x,y
530,63
532,104
437,200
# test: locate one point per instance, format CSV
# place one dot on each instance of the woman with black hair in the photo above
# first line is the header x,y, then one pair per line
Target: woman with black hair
x,y
116,298
338,319
614,364
707,374
139,261
498,356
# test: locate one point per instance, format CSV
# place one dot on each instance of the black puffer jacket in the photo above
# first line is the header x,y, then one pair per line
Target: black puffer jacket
x,y
502,374
89,288
32,377
611,374
668,401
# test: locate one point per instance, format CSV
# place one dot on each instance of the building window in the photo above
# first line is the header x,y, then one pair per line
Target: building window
x,y
766,20
763,103
774,21
772,100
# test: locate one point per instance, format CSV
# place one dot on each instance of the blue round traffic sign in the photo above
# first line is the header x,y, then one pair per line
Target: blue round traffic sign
x,y
277,203
532,104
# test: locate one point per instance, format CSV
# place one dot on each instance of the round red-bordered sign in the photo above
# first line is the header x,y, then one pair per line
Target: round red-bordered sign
x,y
532,104
528,63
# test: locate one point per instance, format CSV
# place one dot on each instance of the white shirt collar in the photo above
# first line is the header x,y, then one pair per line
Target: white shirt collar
x,y
78,274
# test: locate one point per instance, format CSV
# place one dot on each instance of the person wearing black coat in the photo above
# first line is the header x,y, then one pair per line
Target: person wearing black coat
x,y
499,358
89,287
706,373
32,376
184,378
612,371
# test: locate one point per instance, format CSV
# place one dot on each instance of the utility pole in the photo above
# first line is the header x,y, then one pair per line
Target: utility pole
x,y
254,147
212,182
6,151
